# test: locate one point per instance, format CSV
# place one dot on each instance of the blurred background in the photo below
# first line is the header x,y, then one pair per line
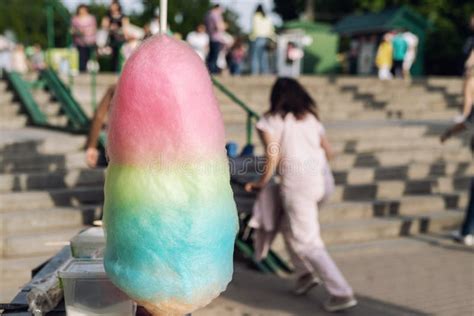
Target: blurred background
x,y
389,77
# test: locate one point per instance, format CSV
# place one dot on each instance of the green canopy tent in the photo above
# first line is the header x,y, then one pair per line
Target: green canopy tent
x,y
321,55
387,20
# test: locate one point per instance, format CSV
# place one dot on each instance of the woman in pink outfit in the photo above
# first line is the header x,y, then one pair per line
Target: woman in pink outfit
x,y
296,148
84,28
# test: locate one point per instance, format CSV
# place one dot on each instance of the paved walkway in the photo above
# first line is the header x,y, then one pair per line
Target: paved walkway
x,y
428,275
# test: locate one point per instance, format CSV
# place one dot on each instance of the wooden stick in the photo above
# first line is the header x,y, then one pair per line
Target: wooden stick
x,y
163,16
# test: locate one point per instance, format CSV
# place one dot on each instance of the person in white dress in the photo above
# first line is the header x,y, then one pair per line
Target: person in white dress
x,y
199,41
296,148
410,56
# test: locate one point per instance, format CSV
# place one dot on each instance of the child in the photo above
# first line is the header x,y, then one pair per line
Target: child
x,y
236,57
383,60
296,148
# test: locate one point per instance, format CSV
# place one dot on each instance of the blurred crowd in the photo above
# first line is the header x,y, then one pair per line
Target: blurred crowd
x,y
396,54
221,51
15,57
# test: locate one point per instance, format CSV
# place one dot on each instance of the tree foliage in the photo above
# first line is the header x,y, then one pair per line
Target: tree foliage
x,y
27,19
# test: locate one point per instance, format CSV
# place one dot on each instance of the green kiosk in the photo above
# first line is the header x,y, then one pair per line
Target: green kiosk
x,y
320,56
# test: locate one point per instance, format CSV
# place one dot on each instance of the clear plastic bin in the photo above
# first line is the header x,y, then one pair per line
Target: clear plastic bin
x,y
89,243
88,291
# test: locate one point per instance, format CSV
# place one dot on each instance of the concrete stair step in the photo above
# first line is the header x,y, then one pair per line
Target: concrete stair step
x,y
44,220
31,200
6,97
414,170
9,111
58,120
367,146
394,189
30,140
51,180
430,184
375,229
42,97
330,212
15,122
37,244
51,109
36,162
373,205
395,158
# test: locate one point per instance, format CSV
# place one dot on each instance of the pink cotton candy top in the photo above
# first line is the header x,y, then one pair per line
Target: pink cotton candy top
x,y
164,109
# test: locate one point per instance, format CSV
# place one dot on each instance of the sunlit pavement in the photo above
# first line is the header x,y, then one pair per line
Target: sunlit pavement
x,y
408,276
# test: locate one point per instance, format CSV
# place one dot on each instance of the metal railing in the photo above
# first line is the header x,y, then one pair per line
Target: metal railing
x,y
251,114
22,92
77,119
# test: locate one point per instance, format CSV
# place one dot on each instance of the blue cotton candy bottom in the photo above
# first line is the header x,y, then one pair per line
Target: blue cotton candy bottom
x,y
169,250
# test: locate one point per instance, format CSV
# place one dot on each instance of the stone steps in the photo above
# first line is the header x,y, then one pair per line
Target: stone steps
x,y
364,230
388,198
13,122
30,200
35,162
49,180
396,158
415,170
393,189
37,243
29,141
382,207
384,228
46,220
9,111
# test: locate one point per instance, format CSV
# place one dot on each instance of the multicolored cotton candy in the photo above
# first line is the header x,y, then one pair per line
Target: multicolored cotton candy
x,y
170,218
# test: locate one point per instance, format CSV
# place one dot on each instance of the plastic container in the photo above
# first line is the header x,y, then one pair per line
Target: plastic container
x,y
88,291
89,243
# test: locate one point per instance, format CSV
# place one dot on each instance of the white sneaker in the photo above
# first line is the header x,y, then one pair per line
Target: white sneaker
x,y
468,240
337,303
305,283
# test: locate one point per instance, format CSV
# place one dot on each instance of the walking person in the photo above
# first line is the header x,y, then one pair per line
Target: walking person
x,y
400,48
84,29
115,21
215,27
383,59
410,56
296,148
262,32
466,121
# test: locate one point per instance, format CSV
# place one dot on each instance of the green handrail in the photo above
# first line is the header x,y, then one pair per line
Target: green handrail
x,y
77,118
22,92
251,114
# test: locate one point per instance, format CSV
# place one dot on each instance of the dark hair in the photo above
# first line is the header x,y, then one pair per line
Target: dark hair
x,y
217,5
116,2
260,9
289,96
82,6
